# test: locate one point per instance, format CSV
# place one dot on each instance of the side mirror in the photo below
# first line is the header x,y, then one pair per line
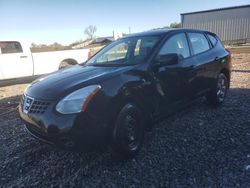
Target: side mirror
x,y
168,59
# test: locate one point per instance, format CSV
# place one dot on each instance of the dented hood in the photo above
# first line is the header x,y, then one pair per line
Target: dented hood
x,y
59,83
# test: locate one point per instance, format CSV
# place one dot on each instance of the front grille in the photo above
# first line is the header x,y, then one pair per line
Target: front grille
x,y
33,106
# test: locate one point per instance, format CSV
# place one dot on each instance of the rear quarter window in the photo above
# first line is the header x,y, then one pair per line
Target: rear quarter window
x,y
219,43
212,39
10,47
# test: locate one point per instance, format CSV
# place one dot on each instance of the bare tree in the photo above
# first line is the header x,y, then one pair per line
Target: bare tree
x,y
33,45
90,31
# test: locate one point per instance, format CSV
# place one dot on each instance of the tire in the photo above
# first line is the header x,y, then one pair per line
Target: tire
x,y
128,131
217,96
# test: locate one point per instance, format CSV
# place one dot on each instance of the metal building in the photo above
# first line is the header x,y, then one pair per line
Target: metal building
x,y
231,24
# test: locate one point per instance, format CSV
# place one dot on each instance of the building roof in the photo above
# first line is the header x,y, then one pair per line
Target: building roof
x,y
218,9
102,40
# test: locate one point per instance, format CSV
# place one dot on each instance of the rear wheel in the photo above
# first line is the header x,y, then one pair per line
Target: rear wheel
x,y
218,94
129,131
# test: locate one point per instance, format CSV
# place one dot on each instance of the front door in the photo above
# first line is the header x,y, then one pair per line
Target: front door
x,y
173,82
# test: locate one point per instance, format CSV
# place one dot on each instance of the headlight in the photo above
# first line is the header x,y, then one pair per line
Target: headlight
x,y
78,100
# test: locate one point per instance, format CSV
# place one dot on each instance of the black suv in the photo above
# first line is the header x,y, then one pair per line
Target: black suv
x,y
117,94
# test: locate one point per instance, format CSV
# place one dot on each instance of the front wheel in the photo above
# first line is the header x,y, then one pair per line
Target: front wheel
x,y
218,94
129,131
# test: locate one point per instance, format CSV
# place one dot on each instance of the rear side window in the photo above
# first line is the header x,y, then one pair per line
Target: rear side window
x,y
10,47
212,39
176,44
199,42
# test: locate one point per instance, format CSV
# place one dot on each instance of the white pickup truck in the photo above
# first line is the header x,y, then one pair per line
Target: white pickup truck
x,y
17,61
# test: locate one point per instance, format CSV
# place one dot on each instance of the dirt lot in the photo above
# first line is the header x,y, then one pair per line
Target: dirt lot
x,y
239,49
200,146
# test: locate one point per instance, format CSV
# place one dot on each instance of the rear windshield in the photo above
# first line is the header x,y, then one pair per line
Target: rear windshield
x,y
125,51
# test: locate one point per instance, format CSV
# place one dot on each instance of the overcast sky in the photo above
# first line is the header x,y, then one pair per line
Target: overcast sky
x,y
63,21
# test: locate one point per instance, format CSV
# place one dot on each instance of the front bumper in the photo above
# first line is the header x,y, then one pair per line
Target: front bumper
x,y
73,130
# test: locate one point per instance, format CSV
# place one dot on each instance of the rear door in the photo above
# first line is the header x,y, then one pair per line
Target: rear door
x,y
202,59
218,56
14,60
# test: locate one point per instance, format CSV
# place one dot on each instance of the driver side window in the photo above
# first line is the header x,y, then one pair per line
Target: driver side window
x,y
177,44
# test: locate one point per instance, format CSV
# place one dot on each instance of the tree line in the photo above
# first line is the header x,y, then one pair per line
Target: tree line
x,y
46,48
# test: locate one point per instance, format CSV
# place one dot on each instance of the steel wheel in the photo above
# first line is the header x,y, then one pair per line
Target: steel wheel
x,y
131,135
129,131
221,88
218,94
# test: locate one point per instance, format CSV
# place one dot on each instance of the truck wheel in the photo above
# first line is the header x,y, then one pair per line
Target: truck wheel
x,y
66,63
218,94
129,131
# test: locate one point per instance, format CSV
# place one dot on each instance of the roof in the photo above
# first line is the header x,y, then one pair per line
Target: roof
x,y
158,32
218,9
149,33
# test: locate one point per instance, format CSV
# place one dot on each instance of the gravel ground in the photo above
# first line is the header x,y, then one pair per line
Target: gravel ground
x,y
200,146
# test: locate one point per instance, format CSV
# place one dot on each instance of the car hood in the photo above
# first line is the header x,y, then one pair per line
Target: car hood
x,y
59,83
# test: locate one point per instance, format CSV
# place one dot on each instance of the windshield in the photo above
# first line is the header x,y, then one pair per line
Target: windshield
x,y
125,51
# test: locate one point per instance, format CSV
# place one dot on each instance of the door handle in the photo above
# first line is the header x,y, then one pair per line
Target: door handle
x,y
192,66
23,56
197,67
216,59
